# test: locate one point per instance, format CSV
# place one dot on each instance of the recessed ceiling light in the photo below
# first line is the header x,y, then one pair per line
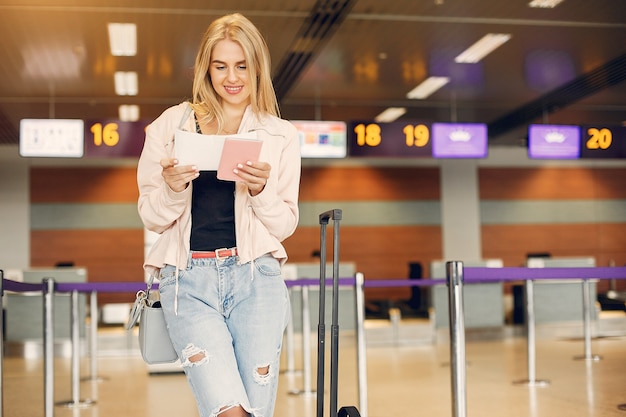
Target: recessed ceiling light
x,y
427,87
128,112
123,39
546,4
390,114
126,83
483,47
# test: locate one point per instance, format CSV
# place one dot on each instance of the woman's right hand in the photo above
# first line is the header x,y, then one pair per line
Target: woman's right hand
x,y
178,177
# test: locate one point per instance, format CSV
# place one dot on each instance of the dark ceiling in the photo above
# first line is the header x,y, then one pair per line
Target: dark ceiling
x,y
332,60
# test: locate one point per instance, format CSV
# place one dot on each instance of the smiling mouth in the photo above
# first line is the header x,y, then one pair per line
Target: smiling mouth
x,y
232,90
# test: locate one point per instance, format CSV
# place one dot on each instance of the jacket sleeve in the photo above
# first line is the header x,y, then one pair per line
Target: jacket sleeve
x,y
159,207
277,205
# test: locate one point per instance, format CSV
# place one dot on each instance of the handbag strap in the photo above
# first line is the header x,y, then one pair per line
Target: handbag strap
x,y
142,299
185,116
149,285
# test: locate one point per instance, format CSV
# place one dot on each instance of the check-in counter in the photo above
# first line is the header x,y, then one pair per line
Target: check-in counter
x,y
483,303
562,300
346,296
24,311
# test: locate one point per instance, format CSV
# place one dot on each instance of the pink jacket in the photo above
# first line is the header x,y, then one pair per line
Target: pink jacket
x,y
262,221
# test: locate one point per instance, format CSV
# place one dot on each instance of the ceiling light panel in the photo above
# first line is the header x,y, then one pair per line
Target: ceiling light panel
x,y
126,83
123,39
427,87
482,48
389,115
545,4
128,112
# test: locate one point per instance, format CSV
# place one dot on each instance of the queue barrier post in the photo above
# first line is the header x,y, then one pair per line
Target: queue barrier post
x,y
359,294
587,323
454,277
1,341
529,299
93,338
75,336
48,345
289,347
306,345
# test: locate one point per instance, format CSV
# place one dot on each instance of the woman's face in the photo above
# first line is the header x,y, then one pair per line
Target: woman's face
x,y
229,73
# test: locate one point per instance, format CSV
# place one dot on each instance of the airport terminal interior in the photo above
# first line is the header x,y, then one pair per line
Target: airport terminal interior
x,y
499,81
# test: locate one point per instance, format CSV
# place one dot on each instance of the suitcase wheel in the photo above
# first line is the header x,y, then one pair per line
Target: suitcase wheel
x,y
348,411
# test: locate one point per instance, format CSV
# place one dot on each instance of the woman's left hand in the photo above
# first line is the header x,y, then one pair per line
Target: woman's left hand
x,y
254,175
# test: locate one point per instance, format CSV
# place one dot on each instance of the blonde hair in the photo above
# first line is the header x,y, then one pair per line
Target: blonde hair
x,y
235,27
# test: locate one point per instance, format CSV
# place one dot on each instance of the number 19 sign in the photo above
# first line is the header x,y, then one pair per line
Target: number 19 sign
x,y
396,139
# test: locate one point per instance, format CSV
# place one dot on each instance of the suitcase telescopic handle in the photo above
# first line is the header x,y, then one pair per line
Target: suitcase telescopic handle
x,y
334,214
324,218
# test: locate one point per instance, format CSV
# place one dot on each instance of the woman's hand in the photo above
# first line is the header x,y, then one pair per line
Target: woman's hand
x,y
254,175
178,177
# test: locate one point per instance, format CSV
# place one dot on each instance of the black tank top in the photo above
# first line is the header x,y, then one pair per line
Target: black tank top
x,y
212,212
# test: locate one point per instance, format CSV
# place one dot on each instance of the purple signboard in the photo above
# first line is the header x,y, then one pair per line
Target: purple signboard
x,y
553,141
459,140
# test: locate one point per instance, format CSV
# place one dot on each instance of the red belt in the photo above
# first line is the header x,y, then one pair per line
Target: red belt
x,y
218,253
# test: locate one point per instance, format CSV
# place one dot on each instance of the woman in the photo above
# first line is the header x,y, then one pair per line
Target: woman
x,y
219,252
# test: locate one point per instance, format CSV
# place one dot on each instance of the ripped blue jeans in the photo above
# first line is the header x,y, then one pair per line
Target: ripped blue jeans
x,y
228,331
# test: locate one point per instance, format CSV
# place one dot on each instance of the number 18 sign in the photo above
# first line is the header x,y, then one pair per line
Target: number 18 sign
x,y
395,139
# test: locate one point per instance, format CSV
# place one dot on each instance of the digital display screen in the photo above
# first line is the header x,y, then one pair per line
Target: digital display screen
x,y
553,141
110,138
603,141
406,139
54,138
459,140
322,139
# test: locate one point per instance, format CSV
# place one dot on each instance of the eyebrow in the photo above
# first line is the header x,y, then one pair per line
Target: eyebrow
x,y
217,61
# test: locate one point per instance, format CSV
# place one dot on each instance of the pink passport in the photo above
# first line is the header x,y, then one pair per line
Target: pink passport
x,y
237,151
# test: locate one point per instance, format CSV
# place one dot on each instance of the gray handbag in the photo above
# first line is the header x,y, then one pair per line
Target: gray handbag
x,y
154,340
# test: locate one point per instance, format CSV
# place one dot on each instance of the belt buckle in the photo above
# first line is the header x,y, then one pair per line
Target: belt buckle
x,y
217,253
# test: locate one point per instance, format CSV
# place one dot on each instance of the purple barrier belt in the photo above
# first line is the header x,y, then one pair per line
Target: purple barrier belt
x,y
103,286
486,275
305,282
16,286
387,283
132,287
470,274
481,274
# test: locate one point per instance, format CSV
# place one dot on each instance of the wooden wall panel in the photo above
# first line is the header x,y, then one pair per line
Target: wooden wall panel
x,y
612,237
369,183
108,255
609,183
83,185
551,183
581,239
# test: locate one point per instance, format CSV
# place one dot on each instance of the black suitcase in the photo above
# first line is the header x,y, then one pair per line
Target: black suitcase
x,y
348,411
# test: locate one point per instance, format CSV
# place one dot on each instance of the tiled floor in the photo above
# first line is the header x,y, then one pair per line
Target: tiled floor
x,y
405,377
